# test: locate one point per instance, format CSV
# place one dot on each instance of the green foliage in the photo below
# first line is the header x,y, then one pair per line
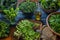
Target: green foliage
x,y
27,7
11,14
54,22
49,4
2,7
6,4
58,3
4,29
24,29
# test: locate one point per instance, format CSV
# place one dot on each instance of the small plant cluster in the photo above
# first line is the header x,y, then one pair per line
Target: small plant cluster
x,y
4,29
27,7
11,14
24,29
54,22
50,4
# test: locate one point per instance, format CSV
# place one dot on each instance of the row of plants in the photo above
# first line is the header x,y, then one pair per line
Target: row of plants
x,y
29,7
48,5
24,28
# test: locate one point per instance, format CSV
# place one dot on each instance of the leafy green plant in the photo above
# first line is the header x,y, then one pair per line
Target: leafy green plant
x,y
49,4
24,29
27,7
54,22
11,14
4,29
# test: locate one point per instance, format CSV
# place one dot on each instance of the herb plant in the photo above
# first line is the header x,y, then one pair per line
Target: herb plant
x,y
54,22
24,29
27,7
49,4
4,29
11,14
